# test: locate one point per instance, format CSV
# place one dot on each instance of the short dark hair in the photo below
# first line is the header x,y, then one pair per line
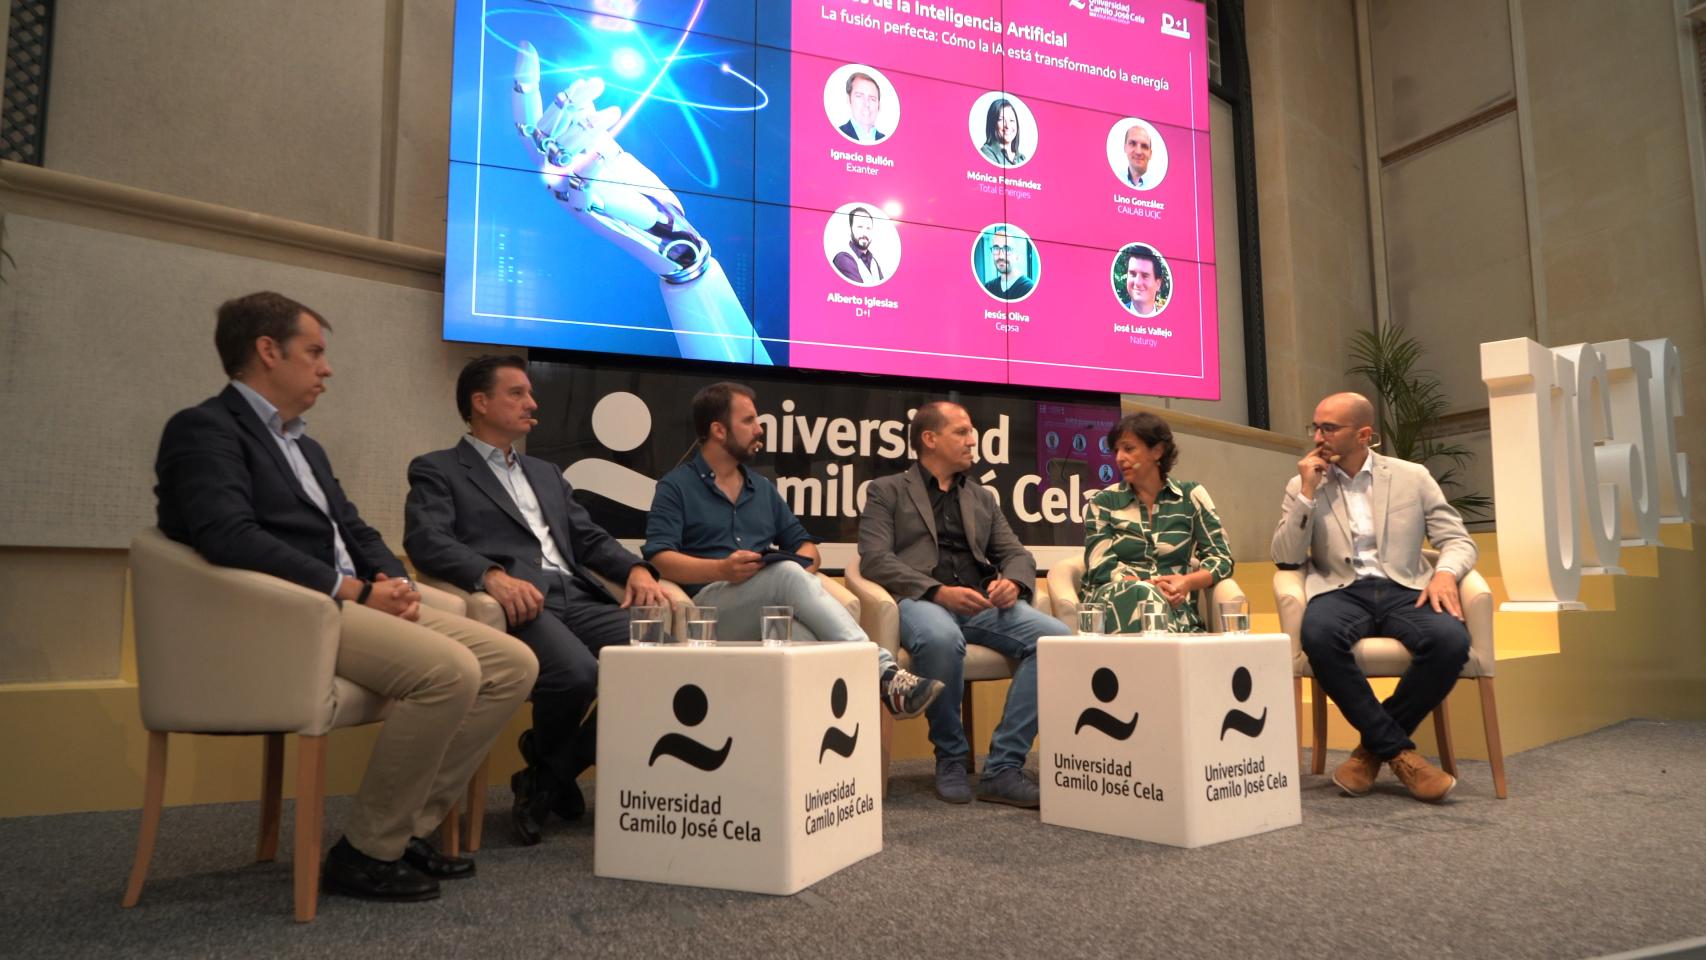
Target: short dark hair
x,y
932,416
860,75
478,376
1150,429
713,403
244,320
855,212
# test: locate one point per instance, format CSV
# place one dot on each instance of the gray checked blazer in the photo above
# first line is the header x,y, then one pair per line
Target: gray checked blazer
x,y
1407,505
897,536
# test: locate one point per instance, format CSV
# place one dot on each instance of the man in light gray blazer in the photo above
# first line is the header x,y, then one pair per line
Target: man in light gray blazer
x,y
1354,521
939,543
485,517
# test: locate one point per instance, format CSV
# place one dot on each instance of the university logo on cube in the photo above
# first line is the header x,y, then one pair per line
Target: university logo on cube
x,y
1213,758
741,766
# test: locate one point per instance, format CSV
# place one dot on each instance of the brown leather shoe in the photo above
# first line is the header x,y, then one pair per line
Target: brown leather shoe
x,y
1356,776
1425,781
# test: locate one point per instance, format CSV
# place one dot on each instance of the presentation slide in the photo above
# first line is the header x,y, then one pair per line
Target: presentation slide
x,y
1007,192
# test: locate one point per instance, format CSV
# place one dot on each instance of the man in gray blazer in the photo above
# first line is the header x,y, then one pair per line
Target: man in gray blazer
x,y
1354,520
484,517
939,543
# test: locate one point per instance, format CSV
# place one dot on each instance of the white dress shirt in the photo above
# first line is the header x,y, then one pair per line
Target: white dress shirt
x,y
507,468
1359,504
287,435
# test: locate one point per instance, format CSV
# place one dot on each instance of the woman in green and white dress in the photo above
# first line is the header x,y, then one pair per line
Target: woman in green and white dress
x,y
1142,534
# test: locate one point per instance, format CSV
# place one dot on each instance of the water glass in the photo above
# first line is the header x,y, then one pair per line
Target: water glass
x,y
701,626
1091,620
645,626
776,626
1235,616
1155,618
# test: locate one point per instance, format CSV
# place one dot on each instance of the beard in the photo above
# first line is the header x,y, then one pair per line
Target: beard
x,y
740,453
863,243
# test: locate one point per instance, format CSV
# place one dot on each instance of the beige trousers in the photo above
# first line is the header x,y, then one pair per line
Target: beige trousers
x,y
456,683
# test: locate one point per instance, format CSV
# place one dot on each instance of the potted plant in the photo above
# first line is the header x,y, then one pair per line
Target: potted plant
x,y
1410,402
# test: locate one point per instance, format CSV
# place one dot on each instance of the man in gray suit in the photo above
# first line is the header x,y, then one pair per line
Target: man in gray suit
x,y
484,517
1354,520
939,543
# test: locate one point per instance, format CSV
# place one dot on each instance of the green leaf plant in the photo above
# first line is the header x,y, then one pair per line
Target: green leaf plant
x,y
1410,403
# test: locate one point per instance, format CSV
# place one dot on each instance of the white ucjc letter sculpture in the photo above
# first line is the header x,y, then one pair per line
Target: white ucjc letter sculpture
x,y
1584,459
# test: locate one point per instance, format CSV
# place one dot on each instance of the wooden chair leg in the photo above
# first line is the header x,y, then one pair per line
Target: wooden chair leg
x,y
477,803
310,808
1442,734
450,832
886,729
1495,746
153,798
1297,709
1318,707
272,796
968,723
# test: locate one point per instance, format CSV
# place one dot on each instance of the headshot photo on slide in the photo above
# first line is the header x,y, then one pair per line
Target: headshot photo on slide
x,y
1142,282
861,104
1003,130
1005,263
1137,154
861,244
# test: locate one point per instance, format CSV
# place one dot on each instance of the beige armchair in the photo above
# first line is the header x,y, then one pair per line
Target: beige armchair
x,y
225,651
1386,657
880,617
1066,579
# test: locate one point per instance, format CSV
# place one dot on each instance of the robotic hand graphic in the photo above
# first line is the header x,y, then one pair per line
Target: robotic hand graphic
x,y
615,195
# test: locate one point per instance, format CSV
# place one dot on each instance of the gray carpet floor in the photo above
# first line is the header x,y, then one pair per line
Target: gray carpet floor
x,y
1600,849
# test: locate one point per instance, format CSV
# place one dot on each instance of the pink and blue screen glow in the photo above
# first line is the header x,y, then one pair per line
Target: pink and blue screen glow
x,y
1000,191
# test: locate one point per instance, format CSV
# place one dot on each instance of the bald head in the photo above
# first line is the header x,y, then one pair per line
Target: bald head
x,y
1350,409
1343,428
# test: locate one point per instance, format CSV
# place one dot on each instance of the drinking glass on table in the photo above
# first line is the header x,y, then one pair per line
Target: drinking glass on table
x,y
1235,616
1092,620
1155,618
645,626
701,626
776,626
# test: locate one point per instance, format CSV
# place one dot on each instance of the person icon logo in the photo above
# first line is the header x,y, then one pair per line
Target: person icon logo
x,y
1105,684
621,421
690,708
1106,473
1237,719
836,740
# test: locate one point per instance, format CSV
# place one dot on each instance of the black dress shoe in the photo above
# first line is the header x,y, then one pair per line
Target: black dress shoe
x,y
570,803
426,858
532,803
567,801
352,873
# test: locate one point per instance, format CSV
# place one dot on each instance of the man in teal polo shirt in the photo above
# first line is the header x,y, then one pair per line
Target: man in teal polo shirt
x,y
712,522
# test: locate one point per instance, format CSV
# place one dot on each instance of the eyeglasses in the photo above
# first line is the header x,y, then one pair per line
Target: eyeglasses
x,y
1325,429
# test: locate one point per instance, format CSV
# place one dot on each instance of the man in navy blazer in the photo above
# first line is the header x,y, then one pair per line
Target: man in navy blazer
x,y
484,517
242,484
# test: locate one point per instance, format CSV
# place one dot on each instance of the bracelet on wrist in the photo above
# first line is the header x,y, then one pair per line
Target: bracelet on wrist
x,y
366,591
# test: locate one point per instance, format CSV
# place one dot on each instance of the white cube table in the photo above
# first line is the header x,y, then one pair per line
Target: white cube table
x,y
1187,740
738,766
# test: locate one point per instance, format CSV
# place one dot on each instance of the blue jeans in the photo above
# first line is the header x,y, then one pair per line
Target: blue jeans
x,y
936,638
1333,622
817,615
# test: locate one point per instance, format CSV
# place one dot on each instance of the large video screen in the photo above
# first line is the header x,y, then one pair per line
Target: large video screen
x,y
1005,191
